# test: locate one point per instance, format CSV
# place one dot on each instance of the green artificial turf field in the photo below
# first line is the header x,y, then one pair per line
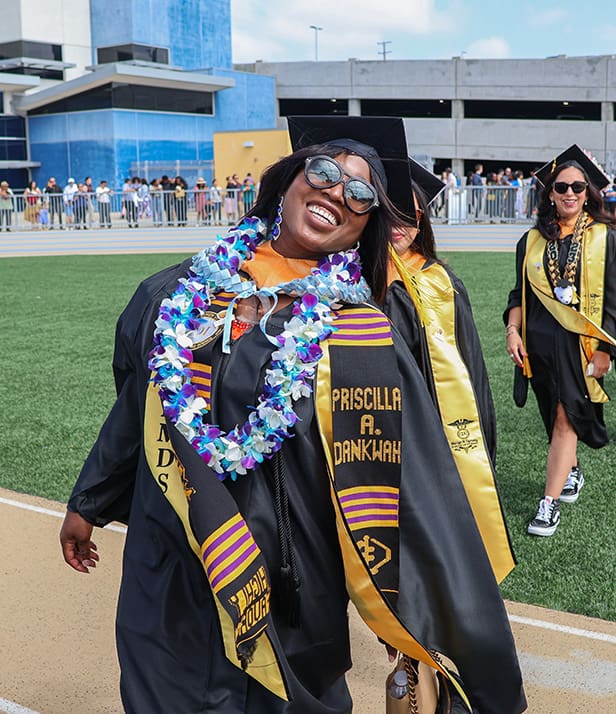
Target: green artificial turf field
x,y
57,321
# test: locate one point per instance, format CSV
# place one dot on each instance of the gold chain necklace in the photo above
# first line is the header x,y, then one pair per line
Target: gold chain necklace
x,y
564,284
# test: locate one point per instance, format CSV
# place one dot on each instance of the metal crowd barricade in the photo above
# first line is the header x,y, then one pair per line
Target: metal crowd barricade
x,y
192,207
485,204
222,207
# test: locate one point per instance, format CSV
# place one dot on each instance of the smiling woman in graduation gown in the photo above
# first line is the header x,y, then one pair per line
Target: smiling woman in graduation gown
x,y
272,636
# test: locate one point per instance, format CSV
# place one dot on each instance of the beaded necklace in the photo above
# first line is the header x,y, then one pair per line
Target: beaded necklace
x,y
184,322
564,284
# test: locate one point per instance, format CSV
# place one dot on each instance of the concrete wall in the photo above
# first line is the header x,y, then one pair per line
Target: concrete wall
x,y
62,22
559,79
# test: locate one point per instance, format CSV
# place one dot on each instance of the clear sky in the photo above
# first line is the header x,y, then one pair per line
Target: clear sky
x,y
279,30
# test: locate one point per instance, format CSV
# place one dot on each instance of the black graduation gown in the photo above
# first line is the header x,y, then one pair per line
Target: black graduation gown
x,y
168,634
400,309
554,353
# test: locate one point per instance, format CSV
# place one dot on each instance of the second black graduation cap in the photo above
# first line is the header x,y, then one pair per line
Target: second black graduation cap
x,y
430,184
385,135
576,155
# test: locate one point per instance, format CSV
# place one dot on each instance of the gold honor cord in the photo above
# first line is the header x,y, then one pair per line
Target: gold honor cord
x,y
460,415
373,608
264,667
591,297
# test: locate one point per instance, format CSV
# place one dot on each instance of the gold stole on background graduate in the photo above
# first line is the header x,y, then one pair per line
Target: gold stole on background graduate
x,y
434,297
585,322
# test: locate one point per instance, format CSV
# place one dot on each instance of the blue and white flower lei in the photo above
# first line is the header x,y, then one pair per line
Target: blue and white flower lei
x,y
182,323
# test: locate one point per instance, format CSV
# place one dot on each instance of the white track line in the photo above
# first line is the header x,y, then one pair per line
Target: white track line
x,y
49,512
11,708
564,629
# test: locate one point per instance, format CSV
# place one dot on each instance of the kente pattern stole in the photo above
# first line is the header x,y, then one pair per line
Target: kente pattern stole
x,y
586,322
457,405
359,415
359,410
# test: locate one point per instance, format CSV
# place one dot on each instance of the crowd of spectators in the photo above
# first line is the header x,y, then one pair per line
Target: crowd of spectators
x,y
160,201
502,196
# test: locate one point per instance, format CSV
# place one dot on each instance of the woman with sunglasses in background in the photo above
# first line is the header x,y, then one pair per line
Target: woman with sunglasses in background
x,y
259,452
561,321
430,307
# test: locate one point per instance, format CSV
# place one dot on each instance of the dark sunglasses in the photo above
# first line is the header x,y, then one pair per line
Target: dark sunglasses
x,y
576,186
321,172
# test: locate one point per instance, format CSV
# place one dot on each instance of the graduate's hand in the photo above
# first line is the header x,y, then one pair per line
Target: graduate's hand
x,y
77,548
601,364
515,347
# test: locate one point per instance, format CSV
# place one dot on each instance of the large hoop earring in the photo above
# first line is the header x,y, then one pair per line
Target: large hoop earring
x,y
275,230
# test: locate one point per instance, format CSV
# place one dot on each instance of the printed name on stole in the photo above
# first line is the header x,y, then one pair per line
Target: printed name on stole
x,y
364,399
349,450
251,602
367,399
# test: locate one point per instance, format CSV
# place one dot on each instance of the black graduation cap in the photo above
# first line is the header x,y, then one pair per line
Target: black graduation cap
x,y
381,142
577,156
430,184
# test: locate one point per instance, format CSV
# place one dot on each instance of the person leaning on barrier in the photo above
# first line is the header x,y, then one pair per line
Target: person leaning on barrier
x,y
32,201
561,321
244,544
103,199
7,206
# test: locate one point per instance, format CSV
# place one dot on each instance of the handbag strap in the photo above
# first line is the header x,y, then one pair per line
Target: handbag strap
x,y
411,668
413,678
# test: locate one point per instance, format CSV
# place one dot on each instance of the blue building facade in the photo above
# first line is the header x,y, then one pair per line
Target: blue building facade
x,y
161,83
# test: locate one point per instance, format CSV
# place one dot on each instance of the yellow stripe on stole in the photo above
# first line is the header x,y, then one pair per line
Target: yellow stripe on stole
x,y
362,489
456,400
227,543
374,610
237,552
264,667
372,524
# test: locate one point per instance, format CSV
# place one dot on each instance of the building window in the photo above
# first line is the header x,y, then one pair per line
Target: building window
x,y
572,111
410,108
312,107
31,58
125,53
12,138
133,96
25,48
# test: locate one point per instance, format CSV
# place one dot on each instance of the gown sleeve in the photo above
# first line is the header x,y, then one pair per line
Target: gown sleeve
x,y
515,295
104,489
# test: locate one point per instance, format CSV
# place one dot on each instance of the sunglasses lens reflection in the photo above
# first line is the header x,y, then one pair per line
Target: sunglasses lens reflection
x,y
324,172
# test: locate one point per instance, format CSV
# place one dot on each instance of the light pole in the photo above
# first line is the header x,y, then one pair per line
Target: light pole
x,y
316,41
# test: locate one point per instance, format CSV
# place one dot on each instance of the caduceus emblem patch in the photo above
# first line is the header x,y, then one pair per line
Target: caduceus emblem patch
x,y
464,441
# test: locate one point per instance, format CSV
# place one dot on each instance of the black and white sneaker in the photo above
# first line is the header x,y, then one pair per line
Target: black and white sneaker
x,y
573,486
547,519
